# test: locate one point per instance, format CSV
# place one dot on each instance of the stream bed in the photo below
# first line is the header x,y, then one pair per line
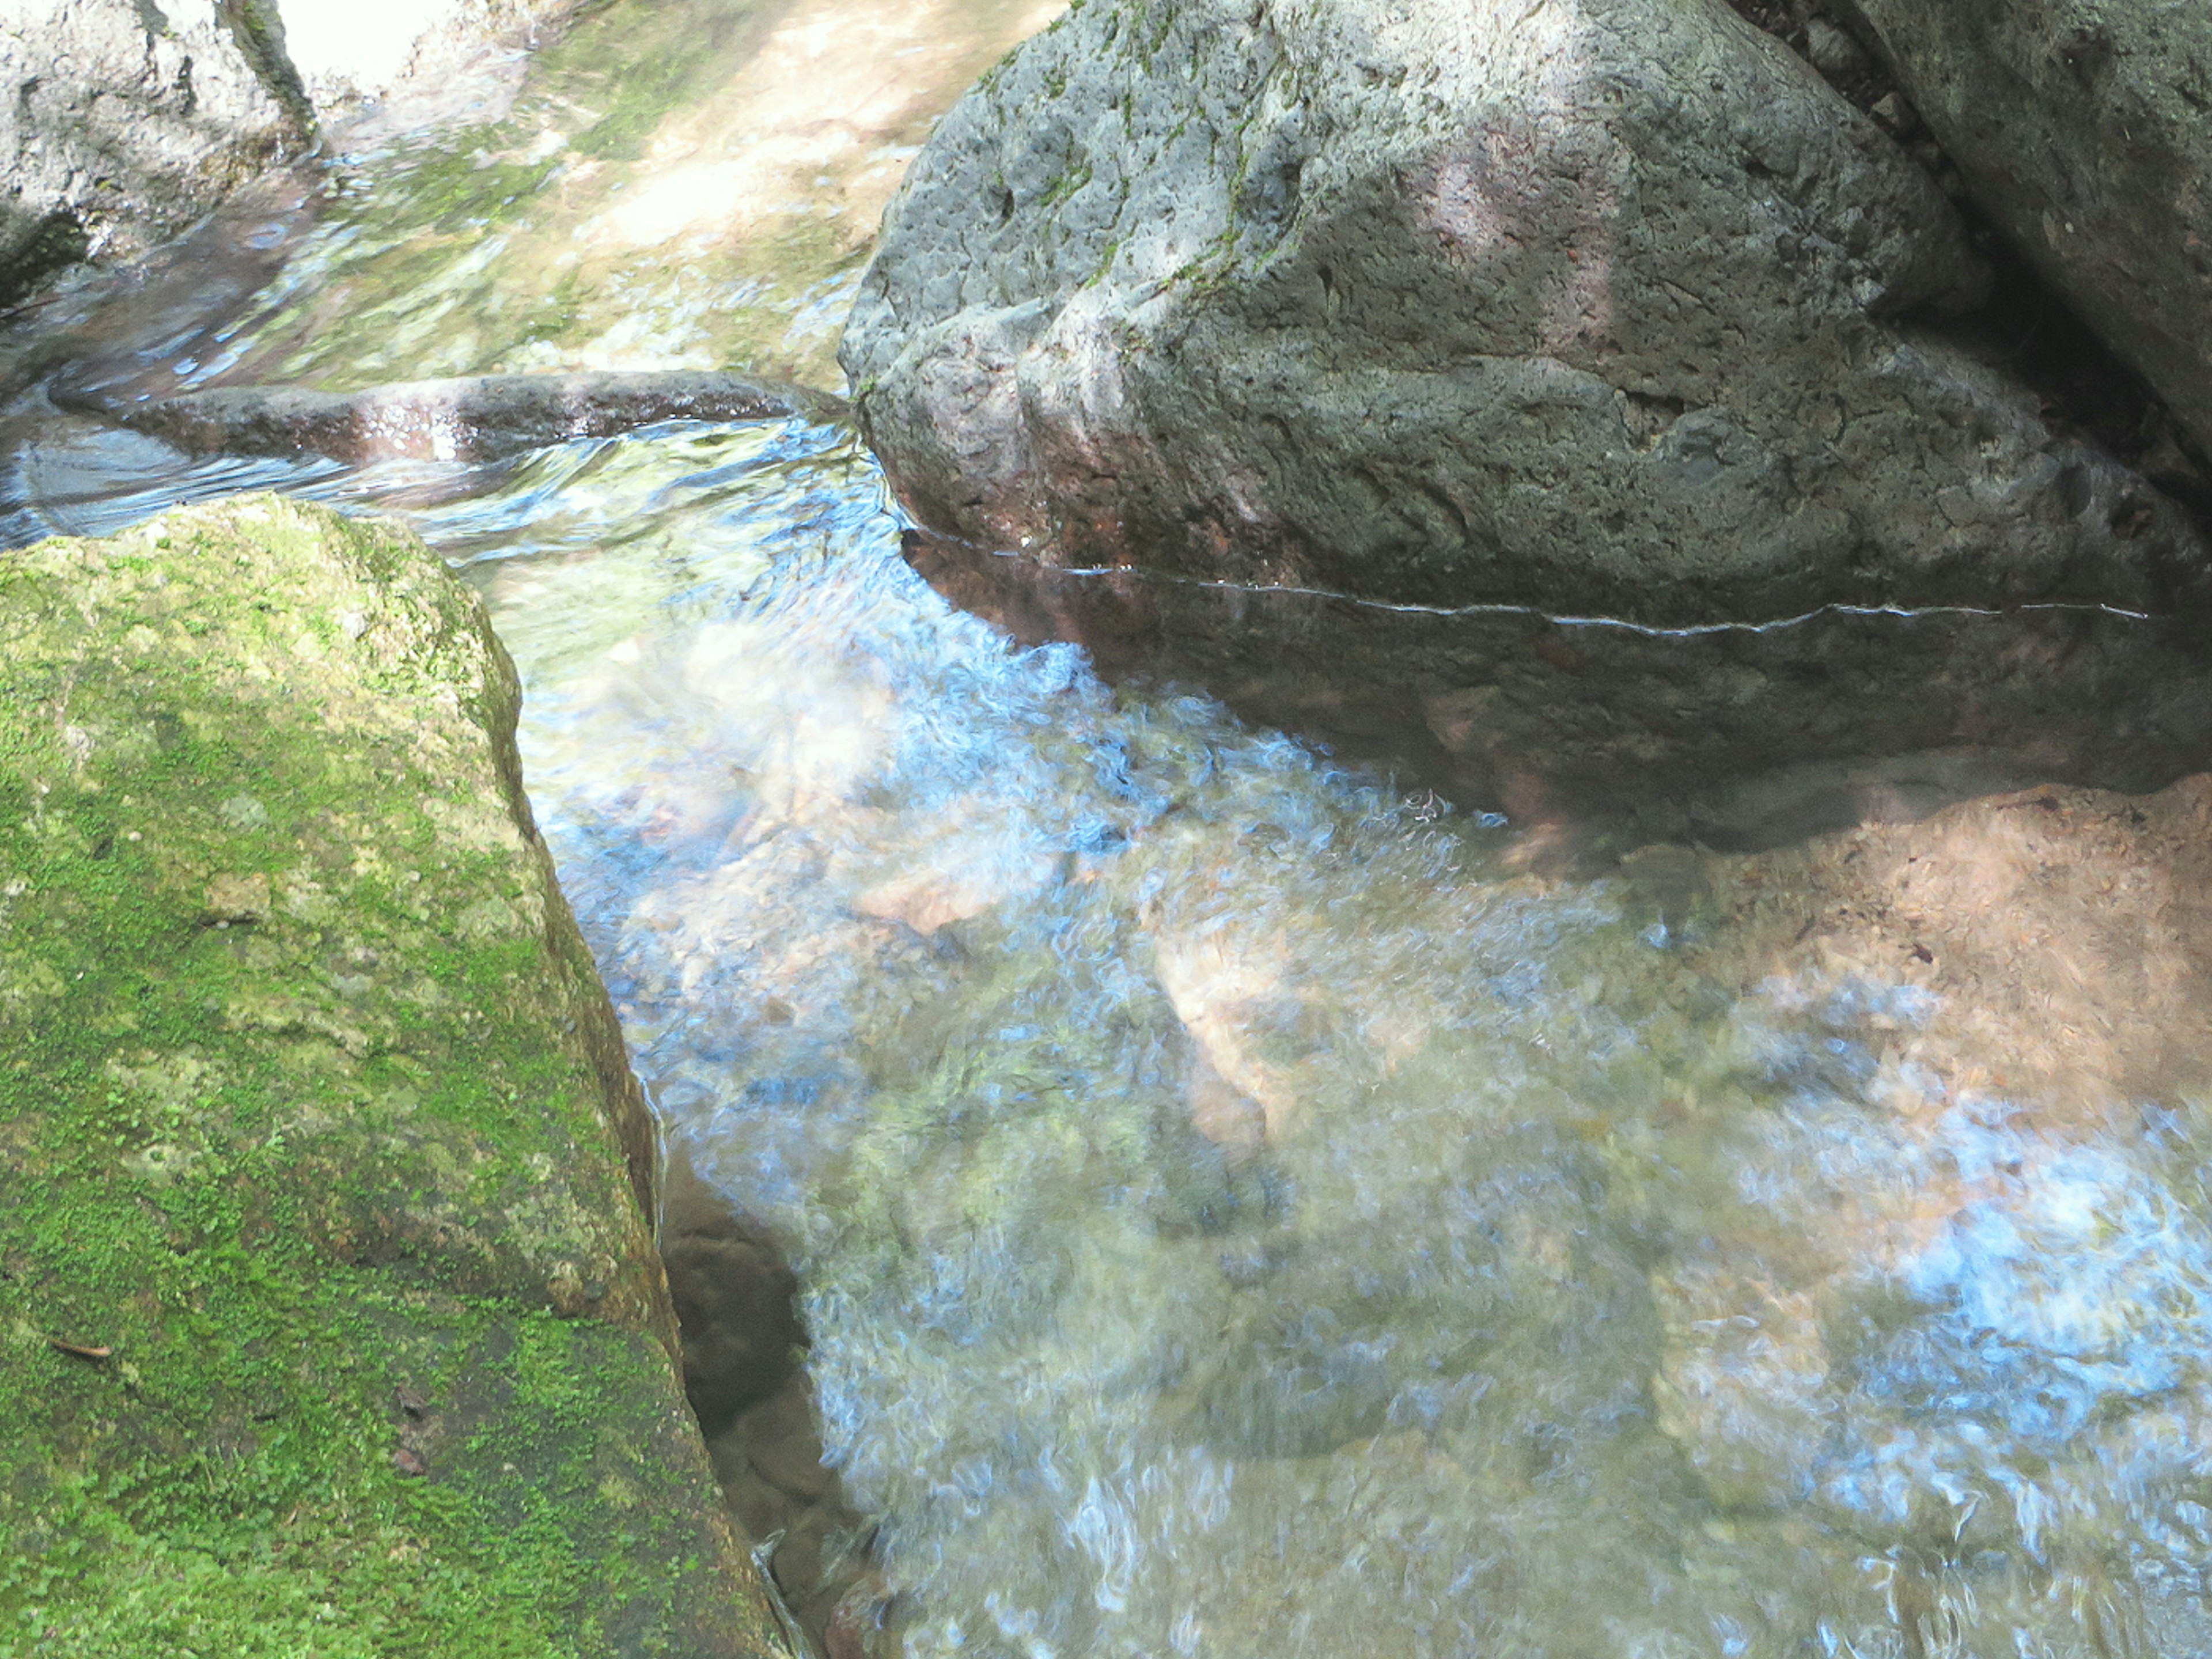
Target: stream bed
x,y
1244,1207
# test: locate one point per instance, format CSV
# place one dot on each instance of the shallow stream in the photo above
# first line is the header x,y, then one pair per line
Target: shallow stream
x,y
1243,1208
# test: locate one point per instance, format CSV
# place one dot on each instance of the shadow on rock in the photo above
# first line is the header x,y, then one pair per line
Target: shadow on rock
x,y
1741,738
744,1354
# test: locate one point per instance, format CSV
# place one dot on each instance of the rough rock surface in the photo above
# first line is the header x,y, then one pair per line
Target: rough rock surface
x,y
329,1317
1600,306
472,417
2084,129
120,123
1739,737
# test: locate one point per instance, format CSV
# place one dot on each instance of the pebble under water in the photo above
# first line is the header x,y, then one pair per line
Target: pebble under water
x,y
1239,1211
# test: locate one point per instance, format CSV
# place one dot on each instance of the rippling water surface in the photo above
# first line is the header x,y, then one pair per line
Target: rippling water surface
x,y
1242,1212
1239,1217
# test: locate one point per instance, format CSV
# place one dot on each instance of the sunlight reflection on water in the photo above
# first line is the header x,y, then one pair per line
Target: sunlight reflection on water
x,y
1238,1216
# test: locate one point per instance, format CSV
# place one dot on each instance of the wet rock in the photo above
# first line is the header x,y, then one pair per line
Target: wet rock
x,y
787,1444
317,1119
742,1349
1606,308
2082,130
2014,996
733,1295
481,417
122,123
1741,737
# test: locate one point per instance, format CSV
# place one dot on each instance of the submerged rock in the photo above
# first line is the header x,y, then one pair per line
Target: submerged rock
x,y
1604,307
1740,737
327,1300
2083,131
477,417
742,1349
2004,1128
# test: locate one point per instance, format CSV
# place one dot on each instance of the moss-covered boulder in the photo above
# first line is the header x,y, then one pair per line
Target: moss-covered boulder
x,y
329,1318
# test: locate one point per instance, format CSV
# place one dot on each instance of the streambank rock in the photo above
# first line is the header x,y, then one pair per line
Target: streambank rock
x,y
121,123
1738,737
1606,306
124,121
472,417
2084,130
327,1300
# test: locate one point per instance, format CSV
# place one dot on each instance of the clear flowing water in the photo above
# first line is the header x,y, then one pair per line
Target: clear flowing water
x,y
674,185
1239,1214
1242,1212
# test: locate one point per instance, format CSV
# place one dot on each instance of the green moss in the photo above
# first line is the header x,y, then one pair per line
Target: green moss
x,y
1067,183
314,1120
258,32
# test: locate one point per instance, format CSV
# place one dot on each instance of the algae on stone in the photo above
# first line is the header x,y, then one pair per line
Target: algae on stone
x,y
329,1313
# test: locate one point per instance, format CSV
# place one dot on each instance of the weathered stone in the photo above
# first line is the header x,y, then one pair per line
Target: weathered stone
x,y
421,51
477,417
121,123
1604,307
1739,736
2085,129
328,1309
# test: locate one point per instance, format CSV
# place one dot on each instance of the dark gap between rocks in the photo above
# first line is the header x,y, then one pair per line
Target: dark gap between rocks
x,y
744,1373
2029,331
1825,41
59,242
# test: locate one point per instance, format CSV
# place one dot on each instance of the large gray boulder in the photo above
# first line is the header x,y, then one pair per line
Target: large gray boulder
x,y
122,121
2084,128
1592,306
